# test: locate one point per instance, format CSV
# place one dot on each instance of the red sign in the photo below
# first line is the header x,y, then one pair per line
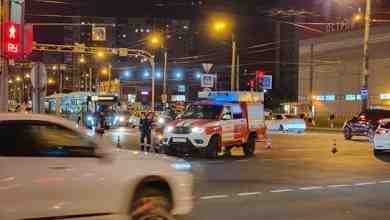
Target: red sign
x,y
28,39
260,74
12,44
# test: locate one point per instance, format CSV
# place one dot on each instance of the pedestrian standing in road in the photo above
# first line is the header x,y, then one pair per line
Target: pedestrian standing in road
x,y
331,120
146,131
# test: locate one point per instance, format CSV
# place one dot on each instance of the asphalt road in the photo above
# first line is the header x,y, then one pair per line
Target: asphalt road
x,y
298,178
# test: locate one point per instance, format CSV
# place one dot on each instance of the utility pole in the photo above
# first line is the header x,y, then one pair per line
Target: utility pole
x,y
233,67
109,77
238,73
311,75
276,86
5,9
365,73
153,64
90,79
165,76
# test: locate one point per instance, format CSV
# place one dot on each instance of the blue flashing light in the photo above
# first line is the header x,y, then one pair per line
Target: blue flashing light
x,y
198,75
158,75
146,74
178,75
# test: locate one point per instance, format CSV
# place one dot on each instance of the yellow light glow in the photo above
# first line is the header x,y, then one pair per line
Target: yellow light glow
x,y
54,67
82,59
100,54
27,76
104,71
357,17
220,26
50,81
155,40
18,79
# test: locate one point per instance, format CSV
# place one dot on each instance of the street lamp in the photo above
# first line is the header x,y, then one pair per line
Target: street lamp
x,y
155,40
222,26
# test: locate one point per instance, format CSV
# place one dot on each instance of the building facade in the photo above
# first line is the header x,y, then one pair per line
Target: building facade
x,y
330,73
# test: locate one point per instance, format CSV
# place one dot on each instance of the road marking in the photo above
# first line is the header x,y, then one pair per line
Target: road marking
x,y
249,194
311,188
281,190
245,160
214,197
339,186
384,181
364,184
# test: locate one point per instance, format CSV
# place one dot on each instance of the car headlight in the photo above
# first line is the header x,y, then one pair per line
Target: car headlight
x,y
197,130
122,119
168,129
161,120
182,165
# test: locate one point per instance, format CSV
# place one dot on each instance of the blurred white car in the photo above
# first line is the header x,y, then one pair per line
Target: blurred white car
x,y
287,123
49,169
381,139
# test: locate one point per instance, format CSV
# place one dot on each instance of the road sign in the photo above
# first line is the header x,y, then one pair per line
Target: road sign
x,y
364,93
267,82
98,34
207,67
207,80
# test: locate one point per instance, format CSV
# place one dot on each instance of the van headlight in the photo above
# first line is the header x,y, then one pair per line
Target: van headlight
x,y
168,129
197,130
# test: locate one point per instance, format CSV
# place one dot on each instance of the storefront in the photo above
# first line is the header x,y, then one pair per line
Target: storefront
x,y
330,76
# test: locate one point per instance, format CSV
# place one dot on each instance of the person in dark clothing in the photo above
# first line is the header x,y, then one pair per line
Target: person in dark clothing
x,y
146,131
331,120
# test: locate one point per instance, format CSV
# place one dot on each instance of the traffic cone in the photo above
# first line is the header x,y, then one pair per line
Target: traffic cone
x,y
334,148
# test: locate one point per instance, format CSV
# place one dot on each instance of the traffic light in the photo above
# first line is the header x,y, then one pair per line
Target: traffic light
x,y
260,79
12,43
17,43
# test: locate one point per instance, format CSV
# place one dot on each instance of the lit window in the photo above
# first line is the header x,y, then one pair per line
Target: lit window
x,y
350,97
385,96
136,30
330,98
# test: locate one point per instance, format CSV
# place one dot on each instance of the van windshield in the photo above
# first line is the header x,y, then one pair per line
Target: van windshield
x,y
203,112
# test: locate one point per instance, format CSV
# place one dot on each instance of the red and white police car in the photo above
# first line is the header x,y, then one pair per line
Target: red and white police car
x,y
216,123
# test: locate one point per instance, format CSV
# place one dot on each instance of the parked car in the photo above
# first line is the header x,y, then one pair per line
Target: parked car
x,y
381,140
289,123
55,171
365,123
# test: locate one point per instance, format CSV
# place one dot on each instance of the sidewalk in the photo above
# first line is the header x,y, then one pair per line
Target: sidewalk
x,y
324,129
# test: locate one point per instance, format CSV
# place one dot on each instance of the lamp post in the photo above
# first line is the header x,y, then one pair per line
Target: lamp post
x,y
365,72
222,26
155,41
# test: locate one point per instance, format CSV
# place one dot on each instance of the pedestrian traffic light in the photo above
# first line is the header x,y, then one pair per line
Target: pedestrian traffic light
x,y
16,43
12,43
